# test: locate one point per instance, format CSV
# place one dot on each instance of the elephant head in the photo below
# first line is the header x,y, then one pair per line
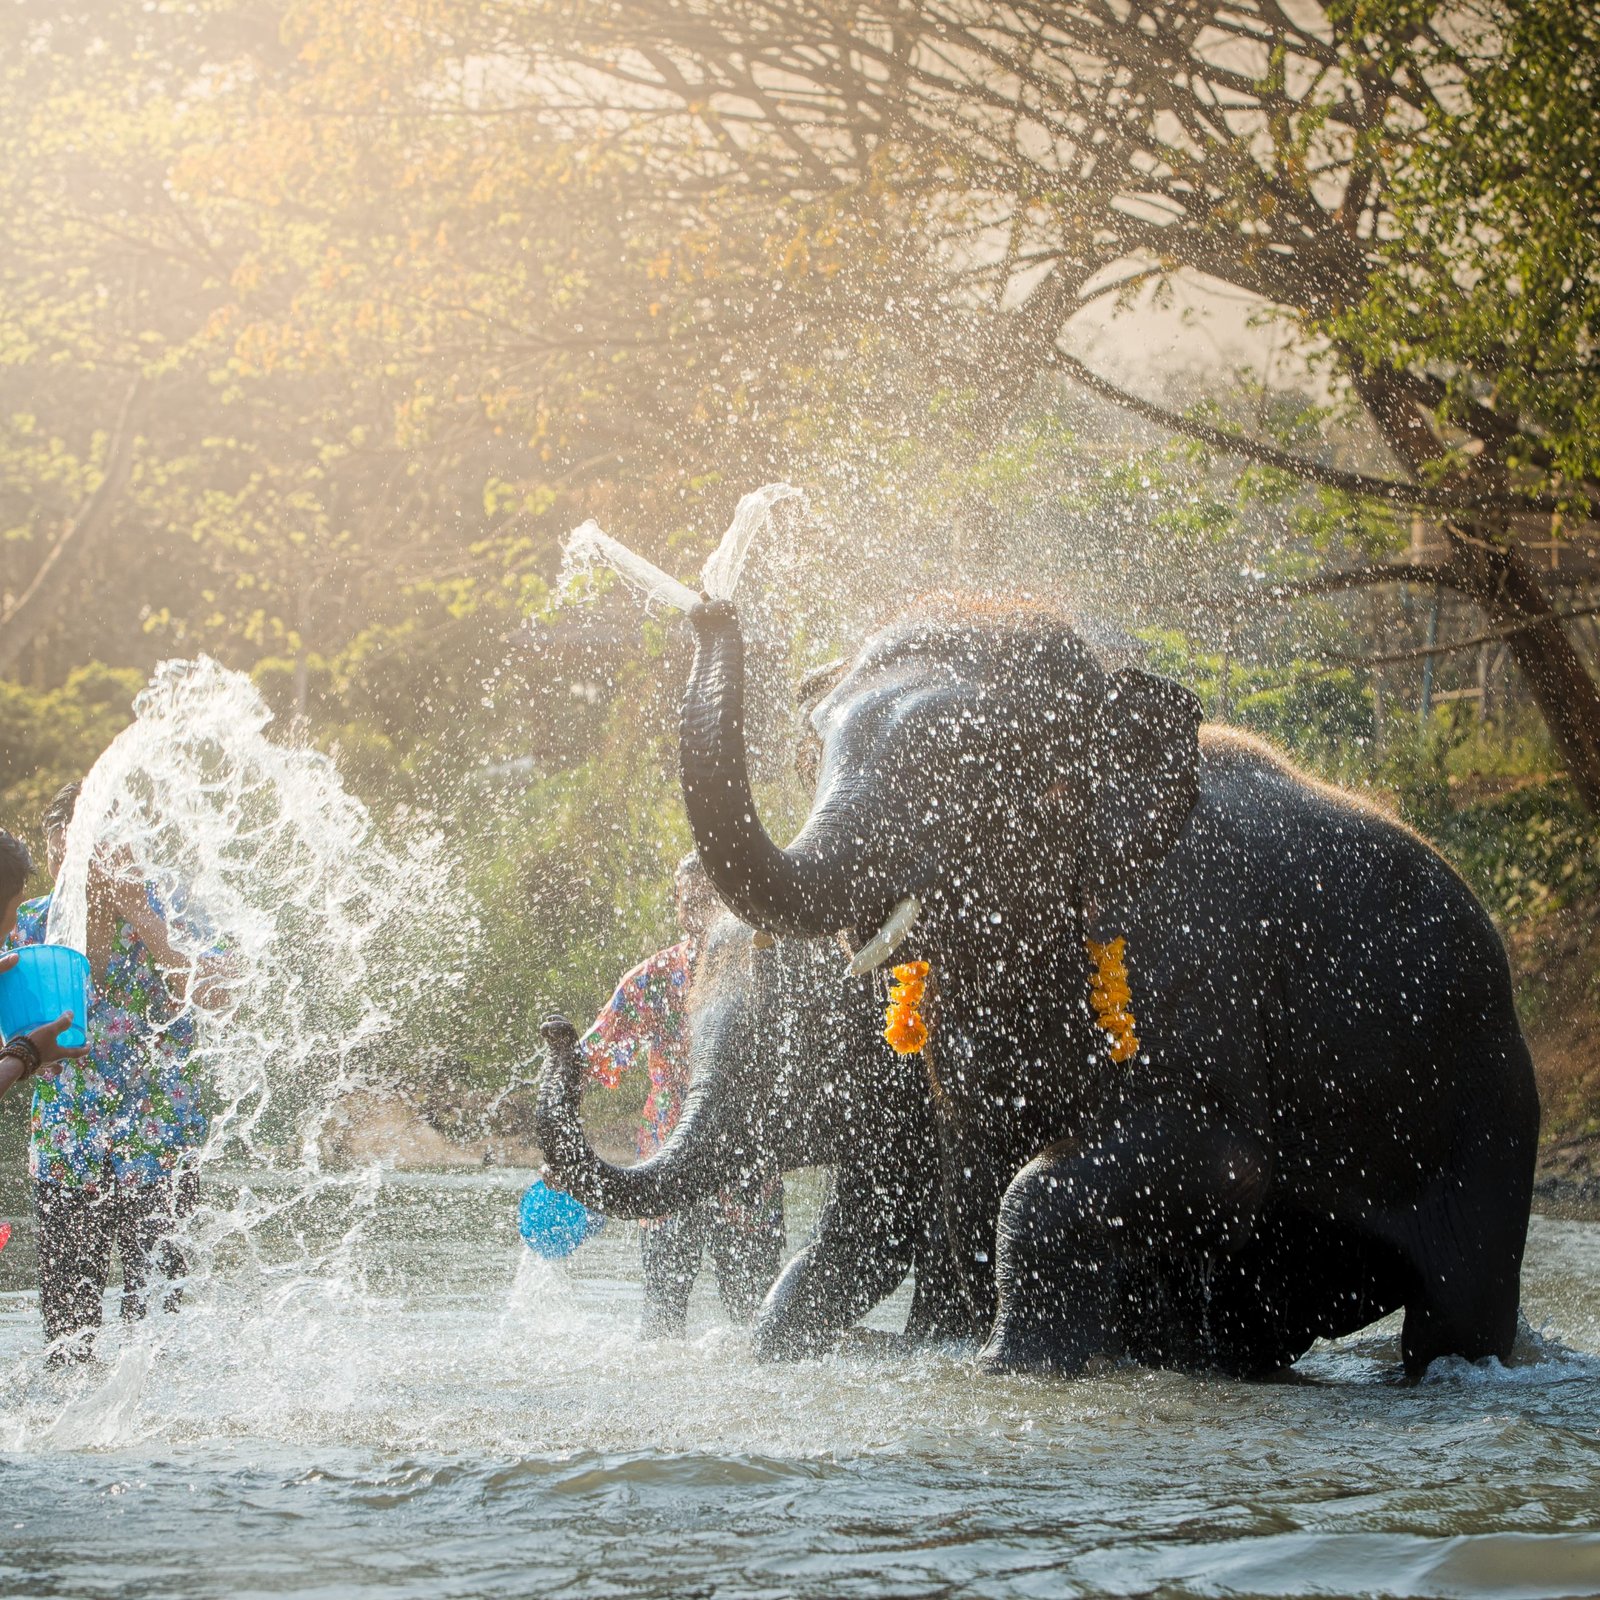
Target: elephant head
x,y
983,776
981,764
786,1072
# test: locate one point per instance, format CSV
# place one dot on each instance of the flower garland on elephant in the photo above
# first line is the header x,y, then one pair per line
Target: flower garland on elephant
x,y
1110,995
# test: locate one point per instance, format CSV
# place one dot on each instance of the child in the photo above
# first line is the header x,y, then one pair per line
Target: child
x,y
648,1018
110,1137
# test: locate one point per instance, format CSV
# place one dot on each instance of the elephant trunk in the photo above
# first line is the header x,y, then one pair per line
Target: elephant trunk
x,y
696,1161
800,892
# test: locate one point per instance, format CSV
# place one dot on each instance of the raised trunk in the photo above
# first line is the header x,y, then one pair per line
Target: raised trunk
x,y
798,891
695,1162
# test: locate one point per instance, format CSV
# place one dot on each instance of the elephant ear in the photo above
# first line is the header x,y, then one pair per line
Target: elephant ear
x,y
1145,762
809,693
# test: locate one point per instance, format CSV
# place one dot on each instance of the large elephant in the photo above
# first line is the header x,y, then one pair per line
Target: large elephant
x,y
1330,1110
786,1072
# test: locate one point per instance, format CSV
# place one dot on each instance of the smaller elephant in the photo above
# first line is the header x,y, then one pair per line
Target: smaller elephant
x,y
788,1071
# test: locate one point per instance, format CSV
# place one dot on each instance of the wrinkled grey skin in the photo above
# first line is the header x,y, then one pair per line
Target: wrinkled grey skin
x,y
1332,1115
787,1071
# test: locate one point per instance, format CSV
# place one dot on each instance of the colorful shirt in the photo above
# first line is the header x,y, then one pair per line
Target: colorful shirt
x,y
647,1023
129,1108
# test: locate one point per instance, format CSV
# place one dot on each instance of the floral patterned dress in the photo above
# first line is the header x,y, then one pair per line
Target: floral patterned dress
x,y
129,1109
647,1022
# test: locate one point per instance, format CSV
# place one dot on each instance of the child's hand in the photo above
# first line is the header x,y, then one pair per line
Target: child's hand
x,y
46,1041
116,884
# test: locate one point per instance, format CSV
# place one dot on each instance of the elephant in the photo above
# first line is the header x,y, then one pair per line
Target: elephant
x,y
1314,1104
785,1072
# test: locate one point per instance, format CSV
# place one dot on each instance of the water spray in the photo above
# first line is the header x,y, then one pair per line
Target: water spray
x,y
587,547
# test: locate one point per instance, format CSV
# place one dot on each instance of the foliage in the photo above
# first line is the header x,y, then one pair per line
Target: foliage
x,y
52,737
1489,798
1527,853
1299,705
1490,267
344,311
393,294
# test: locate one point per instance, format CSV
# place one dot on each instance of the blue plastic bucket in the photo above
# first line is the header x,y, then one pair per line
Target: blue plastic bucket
x,y
47,980
553,1224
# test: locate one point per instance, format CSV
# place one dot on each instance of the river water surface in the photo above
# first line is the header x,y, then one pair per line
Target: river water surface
x,y
433,1412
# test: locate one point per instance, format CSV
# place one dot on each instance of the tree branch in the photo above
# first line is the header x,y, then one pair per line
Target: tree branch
x,y
1391,490
1420,572
1494,635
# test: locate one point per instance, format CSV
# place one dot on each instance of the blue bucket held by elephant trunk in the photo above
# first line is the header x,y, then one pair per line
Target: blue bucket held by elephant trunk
x,y
47,980
554,1224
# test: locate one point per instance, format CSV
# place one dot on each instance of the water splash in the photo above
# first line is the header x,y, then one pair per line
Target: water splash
x,y
725,565
588,547
336,943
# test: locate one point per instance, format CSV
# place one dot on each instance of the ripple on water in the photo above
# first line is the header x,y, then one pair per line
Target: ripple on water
x,y
457,1419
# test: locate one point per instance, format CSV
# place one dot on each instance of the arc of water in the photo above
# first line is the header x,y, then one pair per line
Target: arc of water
x,y
587,544
725,565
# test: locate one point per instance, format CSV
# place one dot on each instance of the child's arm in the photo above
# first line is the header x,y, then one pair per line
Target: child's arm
x,y
209,973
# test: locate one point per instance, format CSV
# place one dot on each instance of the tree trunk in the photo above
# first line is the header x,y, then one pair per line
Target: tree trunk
x,y
1498,579
33,609
1486,566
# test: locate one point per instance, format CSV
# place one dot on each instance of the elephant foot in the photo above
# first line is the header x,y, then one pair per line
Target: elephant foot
x,y
877,1343
776,1341
657,1324
1011,1353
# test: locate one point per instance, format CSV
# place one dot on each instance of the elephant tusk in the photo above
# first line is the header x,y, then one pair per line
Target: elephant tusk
x,y
882,944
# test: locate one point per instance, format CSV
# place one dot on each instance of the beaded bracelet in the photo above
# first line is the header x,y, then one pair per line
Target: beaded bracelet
x,y
23,1049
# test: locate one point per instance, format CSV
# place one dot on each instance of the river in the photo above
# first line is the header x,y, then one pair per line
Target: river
x,y
433,1412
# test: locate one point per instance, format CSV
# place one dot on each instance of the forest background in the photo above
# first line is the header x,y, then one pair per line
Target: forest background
x,y
1265,334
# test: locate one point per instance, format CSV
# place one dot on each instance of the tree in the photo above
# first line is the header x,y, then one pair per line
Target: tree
x,y
175,474
1489,275
409,288
1060,153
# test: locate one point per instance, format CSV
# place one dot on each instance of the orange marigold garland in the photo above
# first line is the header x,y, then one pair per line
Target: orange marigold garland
x,y
904,1028
1110,996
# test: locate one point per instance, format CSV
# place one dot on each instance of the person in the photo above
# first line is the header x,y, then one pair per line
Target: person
x,y
114,1127
25,1054
647,1021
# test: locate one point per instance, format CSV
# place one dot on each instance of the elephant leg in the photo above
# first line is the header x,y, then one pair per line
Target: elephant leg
x,y
1263,1309
1092,1232
1466,1256
747,1240
972,1185
1464,1243
939,1307
861,1253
